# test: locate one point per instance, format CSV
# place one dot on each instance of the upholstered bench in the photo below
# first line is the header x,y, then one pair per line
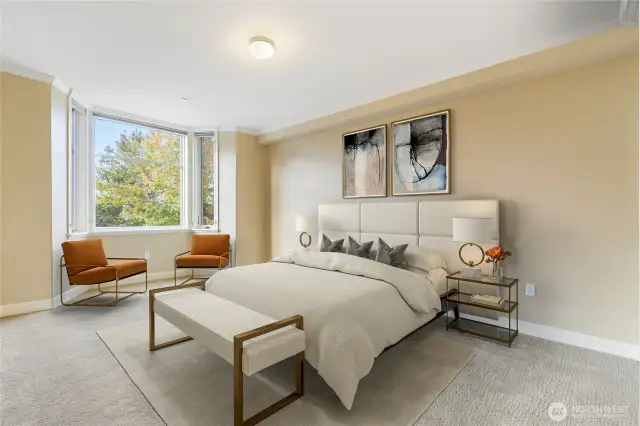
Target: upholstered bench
x,y
244,338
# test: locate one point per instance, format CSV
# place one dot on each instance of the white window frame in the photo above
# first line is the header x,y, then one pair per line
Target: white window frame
x,y
77,208
184,204
198,221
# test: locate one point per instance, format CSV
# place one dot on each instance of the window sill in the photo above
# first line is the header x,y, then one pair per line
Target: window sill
x,y
77,236
136,231
205,231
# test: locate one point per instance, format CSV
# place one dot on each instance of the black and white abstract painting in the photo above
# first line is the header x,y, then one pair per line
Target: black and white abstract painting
x,y
421,155
364,159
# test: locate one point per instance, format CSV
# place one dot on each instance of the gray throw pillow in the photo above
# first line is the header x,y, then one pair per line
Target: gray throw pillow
x,y
393,256
331,246
360,250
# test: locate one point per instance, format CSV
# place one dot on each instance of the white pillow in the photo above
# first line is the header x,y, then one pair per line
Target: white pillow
x,y
438,277
423,258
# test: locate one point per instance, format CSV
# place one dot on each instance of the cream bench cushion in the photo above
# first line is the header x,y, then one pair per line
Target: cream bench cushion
x,y
213,322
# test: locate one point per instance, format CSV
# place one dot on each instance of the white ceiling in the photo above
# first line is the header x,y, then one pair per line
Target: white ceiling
x,y
142,57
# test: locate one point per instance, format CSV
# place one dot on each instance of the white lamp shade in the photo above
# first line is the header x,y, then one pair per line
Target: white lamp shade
x,y
303,224
472,230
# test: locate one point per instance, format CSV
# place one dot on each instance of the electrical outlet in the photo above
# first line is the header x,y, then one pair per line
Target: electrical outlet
x,y
147,255
530,290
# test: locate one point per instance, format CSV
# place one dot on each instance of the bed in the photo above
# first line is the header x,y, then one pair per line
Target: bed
x,y
355,308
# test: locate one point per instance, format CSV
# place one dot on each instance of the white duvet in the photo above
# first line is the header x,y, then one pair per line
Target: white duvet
x,y
353,308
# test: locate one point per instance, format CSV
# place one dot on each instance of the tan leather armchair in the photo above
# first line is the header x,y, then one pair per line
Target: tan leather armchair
x,y
207,252
87,264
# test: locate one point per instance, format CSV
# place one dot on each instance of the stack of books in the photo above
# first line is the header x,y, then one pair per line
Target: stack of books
x,y
484,299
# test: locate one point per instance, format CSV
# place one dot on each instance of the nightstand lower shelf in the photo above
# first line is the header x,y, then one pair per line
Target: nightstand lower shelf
x,y
484,330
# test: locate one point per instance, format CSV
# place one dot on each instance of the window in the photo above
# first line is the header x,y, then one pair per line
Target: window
x,y
131,175
138,174
207,179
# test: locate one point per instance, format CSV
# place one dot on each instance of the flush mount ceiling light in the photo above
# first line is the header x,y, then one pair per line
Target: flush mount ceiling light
x,y
261,47
183,99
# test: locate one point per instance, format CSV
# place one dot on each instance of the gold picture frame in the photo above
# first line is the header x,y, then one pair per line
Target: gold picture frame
x,y
371,145
424,160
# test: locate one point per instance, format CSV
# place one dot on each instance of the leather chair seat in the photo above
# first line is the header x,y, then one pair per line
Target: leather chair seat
x,y
103,274
201,261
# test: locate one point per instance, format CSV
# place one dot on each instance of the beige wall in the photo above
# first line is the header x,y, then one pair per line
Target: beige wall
x,y
227,147
25,190
560,152
161,247
252,201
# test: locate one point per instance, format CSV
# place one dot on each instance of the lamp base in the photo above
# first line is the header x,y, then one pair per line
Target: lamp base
x,y
471,272
308,239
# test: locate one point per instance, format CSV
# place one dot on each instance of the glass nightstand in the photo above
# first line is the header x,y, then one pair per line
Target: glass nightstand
x,y
493,332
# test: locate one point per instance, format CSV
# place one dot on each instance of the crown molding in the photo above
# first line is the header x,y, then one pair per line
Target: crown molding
x,y
61,87
247,130
14,68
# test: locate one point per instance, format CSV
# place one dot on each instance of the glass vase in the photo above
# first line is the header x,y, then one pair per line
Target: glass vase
x,y
497,270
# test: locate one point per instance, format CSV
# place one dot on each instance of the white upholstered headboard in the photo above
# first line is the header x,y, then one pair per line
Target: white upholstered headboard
x,y
424,223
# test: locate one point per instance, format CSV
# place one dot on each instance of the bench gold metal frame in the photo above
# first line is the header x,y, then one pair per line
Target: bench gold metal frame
x,y
238,343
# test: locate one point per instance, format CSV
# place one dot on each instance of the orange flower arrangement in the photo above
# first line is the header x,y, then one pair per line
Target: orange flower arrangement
x,y
496,254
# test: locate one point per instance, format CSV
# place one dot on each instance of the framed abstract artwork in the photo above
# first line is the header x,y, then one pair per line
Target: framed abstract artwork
x,y
421,155
364,163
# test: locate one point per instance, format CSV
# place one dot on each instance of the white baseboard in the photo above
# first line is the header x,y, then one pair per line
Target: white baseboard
x,y
72,293
614,347
24,308
153,276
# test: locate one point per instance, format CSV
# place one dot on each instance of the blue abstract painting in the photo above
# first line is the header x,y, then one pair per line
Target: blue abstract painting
x,y
421,155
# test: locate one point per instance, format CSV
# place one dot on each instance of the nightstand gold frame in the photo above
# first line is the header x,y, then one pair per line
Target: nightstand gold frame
x,y
457,298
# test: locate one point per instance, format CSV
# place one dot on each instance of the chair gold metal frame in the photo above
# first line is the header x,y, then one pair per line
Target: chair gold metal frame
x,y
192,277
238,346
100,292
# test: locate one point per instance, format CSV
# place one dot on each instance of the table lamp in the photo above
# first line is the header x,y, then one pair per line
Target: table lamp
x,y
472,232
303,224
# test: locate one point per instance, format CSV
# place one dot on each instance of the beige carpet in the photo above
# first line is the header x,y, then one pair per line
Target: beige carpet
x,y
188,385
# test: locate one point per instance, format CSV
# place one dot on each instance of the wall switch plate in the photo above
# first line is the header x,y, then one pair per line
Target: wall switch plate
x,y
147,255
530,290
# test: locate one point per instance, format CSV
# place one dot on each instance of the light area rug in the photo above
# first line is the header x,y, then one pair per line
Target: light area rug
x,y
189,385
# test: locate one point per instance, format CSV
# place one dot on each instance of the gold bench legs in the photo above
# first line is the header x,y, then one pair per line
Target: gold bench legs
x,y
238,375
152,316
